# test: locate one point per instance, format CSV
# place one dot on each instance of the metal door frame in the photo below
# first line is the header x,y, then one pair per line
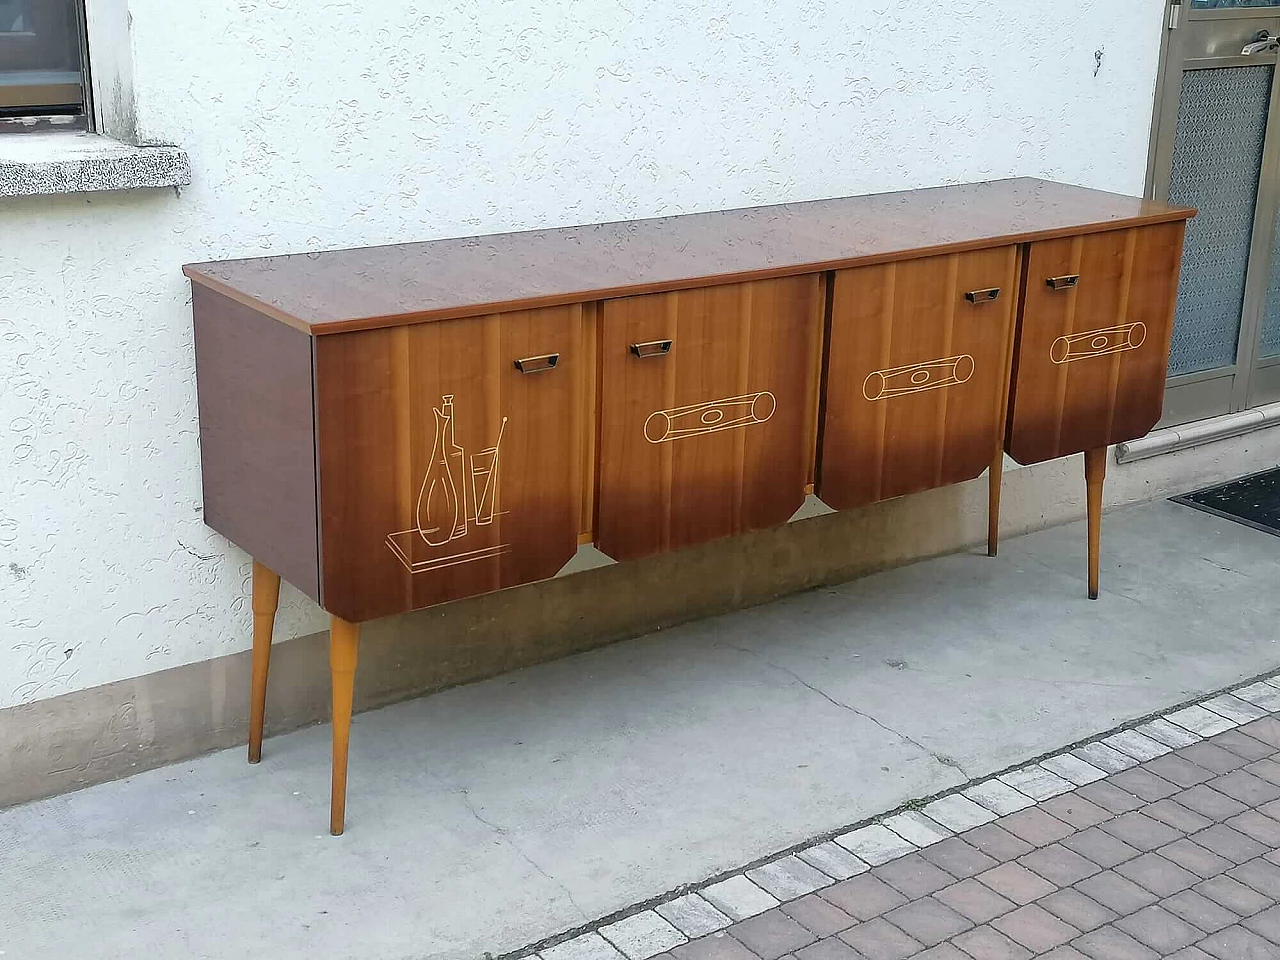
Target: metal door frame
x,y
1207,393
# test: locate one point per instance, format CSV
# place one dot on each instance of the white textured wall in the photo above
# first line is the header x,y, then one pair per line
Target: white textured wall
x,y
371,121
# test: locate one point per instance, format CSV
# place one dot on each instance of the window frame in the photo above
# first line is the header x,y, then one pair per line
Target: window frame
x,y
47,114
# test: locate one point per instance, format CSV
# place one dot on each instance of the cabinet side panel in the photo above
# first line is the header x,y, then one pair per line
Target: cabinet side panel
x,y
257,436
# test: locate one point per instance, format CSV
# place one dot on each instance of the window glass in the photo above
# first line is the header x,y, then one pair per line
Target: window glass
x,y
40,49
1223,4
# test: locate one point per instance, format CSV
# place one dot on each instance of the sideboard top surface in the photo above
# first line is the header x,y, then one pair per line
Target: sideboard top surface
x,y
368,287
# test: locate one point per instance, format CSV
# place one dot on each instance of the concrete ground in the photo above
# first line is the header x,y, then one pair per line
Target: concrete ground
x,y
491,816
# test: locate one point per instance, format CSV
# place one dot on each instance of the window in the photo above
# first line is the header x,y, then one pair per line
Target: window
x,y
42,64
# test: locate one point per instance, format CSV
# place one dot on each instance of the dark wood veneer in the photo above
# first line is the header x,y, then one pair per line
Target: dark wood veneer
x,y
1100,395
257,440
916,375
651,385
377,396
671,475
333,291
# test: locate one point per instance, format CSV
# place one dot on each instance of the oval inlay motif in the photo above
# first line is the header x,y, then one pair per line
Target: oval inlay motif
x,y
764,406
1098,343
657,427
915,377
710,416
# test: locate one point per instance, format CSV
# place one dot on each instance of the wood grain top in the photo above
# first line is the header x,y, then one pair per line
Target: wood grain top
x,y
368,287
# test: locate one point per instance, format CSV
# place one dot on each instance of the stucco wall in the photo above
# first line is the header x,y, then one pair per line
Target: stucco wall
x,y
351,123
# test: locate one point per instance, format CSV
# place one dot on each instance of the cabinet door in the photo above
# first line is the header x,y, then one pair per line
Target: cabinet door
x,y
708,412
916,374
1093,340
446,471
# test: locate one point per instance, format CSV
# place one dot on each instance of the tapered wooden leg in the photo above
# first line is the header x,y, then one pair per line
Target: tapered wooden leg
x,y
994,476
266,597
1095,468
344,642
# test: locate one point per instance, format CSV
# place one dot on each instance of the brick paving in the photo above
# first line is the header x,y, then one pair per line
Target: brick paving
x,y
1173,857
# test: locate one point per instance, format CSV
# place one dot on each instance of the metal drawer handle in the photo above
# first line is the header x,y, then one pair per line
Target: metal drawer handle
x,y
547,361
1061,283
654,348
982,296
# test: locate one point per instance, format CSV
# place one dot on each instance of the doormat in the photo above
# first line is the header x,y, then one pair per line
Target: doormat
x,y
1253,500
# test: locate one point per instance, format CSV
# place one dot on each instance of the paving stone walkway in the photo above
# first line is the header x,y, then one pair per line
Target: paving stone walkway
x,y
1174,856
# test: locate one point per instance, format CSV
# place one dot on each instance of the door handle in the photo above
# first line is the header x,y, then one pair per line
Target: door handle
x,y
982,296
1263,42
547,361
652,348
1061,283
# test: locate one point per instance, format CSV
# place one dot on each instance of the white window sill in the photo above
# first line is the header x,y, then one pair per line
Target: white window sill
x,y
36,164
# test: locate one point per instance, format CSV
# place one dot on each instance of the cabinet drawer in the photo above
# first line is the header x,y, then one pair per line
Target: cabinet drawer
x,y
916,373
1093,343
708,412
446,470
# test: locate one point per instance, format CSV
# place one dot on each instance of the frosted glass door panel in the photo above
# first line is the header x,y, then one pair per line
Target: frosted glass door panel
x,y
1217,157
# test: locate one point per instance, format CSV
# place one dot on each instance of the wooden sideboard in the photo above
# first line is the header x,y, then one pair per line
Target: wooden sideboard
x,y
393,427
